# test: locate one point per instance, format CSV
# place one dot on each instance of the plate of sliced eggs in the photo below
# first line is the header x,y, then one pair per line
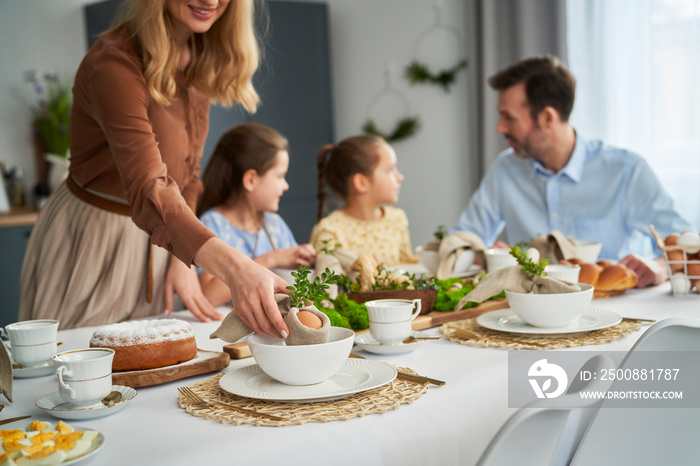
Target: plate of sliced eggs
x,y
43,444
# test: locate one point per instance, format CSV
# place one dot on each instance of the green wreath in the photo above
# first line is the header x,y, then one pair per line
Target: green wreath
x,y
405,128
417,73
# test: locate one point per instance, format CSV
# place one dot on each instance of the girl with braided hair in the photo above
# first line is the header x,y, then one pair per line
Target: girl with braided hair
x,y
362,171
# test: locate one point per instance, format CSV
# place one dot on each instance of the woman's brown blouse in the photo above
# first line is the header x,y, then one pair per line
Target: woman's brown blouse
x,y
125,145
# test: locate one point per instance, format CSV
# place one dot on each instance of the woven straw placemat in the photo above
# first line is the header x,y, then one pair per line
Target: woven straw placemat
x,y
377,400
492,338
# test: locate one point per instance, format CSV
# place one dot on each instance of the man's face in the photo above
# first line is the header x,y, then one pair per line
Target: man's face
x,y
515,123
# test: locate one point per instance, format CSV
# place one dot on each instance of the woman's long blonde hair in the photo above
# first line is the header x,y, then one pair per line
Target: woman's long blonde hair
x,y
224,59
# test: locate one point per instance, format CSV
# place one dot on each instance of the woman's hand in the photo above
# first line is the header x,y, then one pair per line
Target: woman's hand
x,y
183,281
252,286
253,293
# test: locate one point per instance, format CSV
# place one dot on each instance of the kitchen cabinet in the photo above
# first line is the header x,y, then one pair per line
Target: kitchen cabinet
x,y
294,84
13,244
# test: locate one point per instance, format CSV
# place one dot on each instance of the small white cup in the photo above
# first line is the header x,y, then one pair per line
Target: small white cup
x,y
565,272
497,259
32,342
84,375
391,333
393,310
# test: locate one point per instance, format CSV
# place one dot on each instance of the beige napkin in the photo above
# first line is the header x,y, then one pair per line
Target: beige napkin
x,y
232,328
340,261
514,279
555,246
5,373
451,247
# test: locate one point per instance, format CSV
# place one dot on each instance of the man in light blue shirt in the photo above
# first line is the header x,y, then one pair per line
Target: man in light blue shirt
x,y
553,179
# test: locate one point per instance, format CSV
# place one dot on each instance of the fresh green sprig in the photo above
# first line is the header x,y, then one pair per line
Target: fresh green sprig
x,y
440,233
304,290
530,267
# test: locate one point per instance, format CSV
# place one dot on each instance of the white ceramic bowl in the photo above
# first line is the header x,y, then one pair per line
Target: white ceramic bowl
x,y
497,259
302,364
568,273
550,310
588,251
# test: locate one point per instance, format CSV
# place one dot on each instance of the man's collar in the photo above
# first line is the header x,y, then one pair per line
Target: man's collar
x,y
573,169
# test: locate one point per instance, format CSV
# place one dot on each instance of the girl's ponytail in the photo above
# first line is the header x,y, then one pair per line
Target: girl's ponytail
x,y
321,168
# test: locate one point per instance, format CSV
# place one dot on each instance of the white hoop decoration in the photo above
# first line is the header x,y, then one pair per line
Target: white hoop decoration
x,y
406,126
418,73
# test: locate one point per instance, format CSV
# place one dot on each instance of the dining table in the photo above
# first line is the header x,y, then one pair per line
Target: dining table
x,y
450,424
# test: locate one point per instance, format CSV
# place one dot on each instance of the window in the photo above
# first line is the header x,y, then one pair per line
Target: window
x,y
637,66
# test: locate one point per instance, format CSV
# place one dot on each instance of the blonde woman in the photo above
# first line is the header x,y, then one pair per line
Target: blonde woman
x,y
121,236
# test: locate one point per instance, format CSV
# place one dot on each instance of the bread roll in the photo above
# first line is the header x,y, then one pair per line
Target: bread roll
x,y
616,277
608,279
589,273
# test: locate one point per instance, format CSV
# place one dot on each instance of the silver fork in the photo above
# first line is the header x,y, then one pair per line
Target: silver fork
x,y
197,400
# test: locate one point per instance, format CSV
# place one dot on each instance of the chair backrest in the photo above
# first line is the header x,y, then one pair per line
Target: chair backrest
x,y
647,436
545,432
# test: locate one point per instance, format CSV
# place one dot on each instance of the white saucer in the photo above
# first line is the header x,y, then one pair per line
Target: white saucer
x,y
356,375
505,320
55,406
370,344
34,371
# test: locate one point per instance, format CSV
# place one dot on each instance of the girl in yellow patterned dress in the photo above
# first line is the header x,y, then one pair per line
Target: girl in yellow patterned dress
x,y
362,171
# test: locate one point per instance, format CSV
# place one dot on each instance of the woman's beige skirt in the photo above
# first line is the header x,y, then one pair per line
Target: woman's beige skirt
x,y
87,266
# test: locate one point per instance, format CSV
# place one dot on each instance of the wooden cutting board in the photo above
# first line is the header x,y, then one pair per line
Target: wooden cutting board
x,y
240,350
204,362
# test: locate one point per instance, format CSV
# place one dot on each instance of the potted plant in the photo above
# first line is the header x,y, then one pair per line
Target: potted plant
x,y
52,121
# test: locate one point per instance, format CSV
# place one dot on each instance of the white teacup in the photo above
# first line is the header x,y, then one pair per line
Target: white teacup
x,y
391,333
565,272
84,375
32,342
497,259
393,310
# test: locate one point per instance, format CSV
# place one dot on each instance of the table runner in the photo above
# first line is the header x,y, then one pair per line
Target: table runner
x,y
377,400
496,339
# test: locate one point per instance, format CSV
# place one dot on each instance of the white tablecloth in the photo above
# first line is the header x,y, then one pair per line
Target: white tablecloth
x,y
449,425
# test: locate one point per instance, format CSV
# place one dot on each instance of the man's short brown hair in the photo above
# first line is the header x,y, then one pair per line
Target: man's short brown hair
x,y
548,83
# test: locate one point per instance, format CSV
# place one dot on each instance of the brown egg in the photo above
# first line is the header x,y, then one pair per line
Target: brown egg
x,y
693,271
309,319
675,261
672,239
675,258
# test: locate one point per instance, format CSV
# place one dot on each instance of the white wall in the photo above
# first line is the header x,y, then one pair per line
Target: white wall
x,y
48,35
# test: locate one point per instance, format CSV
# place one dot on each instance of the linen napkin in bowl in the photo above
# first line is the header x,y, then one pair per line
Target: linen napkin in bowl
x,y
514,279
449,249
233,328
555,246
5,373
340,261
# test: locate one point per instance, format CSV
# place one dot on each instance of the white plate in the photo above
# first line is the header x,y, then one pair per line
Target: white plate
x,y
356,375
505,320
55,406
34,371
370,344
96,445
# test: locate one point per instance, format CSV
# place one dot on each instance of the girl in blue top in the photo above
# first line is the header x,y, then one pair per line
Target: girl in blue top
x,y
243,183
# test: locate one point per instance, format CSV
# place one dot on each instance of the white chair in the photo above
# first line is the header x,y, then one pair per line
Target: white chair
x,y
646,435
546,432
